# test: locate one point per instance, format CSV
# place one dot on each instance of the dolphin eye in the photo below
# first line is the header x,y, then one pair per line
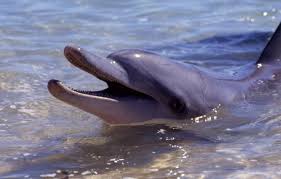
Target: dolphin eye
x,y
177,106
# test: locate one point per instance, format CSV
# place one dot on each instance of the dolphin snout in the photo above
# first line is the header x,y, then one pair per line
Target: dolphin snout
x,y
72,52
55,88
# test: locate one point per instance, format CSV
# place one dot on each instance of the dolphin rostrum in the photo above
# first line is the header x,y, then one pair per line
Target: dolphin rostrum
x,y
144,86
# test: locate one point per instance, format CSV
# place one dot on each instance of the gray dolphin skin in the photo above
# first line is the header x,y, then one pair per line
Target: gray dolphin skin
x,y
144,86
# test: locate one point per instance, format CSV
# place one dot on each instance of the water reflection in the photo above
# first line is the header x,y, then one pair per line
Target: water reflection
x,y
40,136
117,151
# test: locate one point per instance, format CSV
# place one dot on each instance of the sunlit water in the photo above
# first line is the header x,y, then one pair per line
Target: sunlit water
x,y
43,137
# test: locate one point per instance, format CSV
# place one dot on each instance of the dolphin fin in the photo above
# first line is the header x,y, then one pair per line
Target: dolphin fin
x,y
272,50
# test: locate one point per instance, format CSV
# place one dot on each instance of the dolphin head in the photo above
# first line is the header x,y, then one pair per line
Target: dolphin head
x,y
142,86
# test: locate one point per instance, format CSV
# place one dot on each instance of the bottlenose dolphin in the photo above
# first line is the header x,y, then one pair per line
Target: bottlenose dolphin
x,y
144,86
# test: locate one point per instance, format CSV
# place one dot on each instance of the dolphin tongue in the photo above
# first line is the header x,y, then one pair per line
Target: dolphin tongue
x,y
102,68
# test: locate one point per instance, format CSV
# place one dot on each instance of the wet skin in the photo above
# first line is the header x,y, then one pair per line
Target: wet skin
x,y
144,86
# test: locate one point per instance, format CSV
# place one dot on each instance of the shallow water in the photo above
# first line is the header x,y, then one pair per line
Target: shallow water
x,y
41,136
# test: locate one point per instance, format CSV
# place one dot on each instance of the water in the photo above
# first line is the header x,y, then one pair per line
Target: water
x,y
41,136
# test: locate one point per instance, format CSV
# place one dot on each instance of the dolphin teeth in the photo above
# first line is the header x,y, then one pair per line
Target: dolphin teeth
x,y
96,93
114,91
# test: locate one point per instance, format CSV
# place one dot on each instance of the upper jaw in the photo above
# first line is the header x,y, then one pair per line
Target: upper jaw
x,y
105,69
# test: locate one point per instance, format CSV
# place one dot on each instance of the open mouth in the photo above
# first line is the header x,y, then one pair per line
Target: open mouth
x,y
106,70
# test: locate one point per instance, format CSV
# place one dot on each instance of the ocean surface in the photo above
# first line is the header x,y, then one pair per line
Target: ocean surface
x,y
43,137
